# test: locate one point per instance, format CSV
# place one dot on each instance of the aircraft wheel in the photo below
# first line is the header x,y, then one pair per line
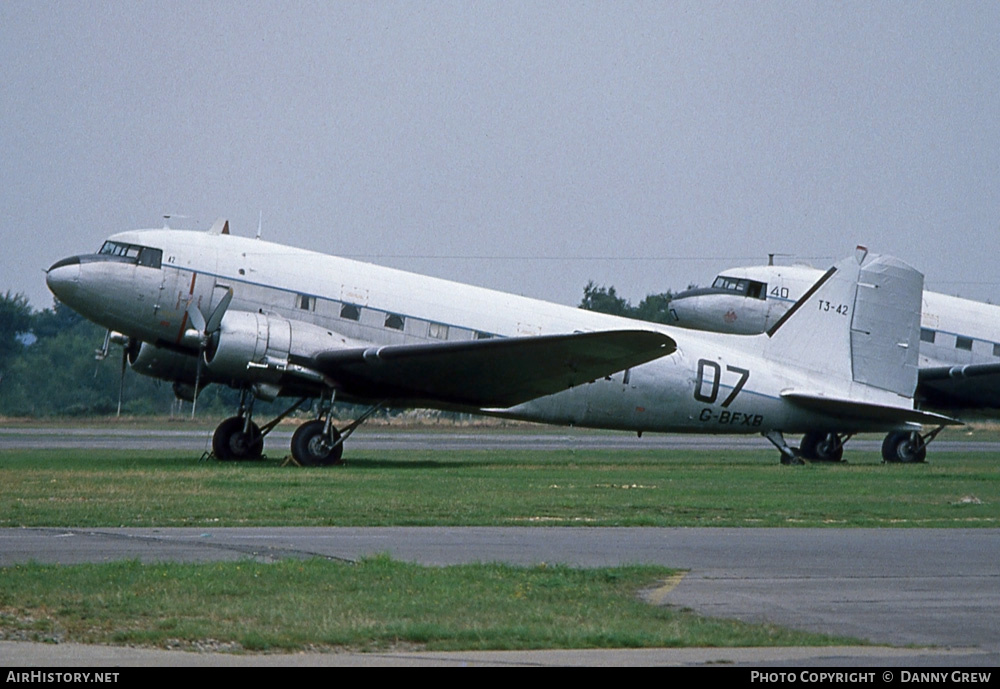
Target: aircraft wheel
x,y
311,448
822,447
230,442
903,447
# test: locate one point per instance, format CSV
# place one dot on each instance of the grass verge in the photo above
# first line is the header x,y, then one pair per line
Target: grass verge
x,y
375,604
76,488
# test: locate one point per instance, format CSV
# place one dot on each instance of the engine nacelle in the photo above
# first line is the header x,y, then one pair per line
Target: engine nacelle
x,y
255,347
150,360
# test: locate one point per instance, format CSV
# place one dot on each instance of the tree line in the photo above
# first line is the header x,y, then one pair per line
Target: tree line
x,y
48,364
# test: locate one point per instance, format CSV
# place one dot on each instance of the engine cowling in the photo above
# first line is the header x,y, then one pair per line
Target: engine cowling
x,y
256,347
157,362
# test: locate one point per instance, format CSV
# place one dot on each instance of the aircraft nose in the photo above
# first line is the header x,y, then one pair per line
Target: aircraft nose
x,y
684,306
63,278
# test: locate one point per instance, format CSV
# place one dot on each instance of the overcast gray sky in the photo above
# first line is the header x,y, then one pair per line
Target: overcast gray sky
x,y
525,146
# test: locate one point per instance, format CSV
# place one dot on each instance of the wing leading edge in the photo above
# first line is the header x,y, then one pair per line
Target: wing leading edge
x,y
498,372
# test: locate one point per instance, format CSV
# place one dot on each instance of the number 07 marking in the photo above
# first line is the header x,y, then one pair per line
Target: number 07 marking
x,y
714,378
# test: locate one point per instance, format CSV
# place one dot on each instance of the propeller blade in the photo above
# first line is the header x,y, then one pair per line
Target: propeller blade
x,y
197,382
215,320
121,380
195,317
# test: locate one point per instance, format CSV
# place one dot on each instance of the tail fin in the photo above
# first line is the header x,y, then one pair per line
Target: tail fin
x,y
859,323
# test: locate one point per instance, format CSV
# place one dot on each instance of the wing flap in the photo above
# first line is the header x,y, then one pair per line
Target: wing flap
x,y
499,372
854,409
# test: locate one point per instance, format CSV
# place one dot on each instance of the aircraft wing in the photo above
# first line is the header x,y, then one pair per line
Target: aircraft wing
x,y
969,386
500,372
847,408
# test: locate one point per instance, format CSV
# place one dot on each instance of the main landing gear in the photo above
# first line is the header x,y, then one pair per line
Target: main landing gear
x,y
907,447
824,447
314,443
898,447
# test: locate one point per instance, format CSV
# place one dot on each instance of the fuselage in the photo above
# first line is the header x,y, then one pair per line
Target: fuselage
x,y
748,300
294,303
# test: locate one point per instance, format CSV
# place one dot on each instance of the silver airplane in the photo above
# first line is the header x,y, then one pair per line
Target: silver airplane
x,y
198,308
959,362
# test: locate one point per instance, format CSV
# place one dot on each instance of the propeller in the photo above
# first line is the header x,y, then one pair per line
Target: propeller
x,y
127,344
204,331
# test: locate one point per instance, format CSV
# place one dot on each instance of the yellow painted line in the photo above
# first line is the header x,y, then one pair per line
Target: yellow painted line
x,y
657,595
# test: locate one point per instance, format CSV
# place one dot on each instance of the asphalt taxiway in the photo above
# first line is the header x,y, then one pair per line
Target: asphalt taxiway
x,y
934,588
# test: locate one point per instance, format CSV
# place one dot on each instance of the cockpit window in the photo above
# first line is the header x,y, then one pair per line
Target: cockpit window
x,y
749,288
140,255
118,249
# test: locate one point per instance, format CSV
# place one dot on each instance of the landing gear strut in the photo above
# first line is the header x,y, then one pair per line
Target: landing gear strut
x,y
238,437
788,455
907,447
315,443
823,447
318,443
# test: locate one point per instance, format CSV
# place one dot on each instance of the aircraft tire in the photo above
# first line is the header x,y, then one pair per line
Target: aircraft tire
x,y
230,442
308,447
901,447
821,447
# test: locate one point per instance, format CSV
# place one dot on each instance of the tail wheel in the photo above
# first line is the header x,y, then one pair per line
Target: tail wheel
x,y
312,447
907,448
231,442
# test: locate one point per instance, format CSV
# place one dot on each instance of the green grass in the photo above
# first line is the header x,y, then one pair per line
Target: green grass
x,y
497,488
380,604
375,604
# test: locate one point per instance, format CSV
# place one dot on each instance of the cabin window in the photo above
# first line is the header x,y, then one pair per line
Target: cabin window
x,y
350,312
963,343
305,302
927,335
996,349
394,321
480,335
438,331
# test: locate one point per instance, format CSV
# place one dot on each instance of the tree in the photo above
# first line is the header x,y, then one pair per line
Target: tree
x,y
51,322
15,320
655,307
605,300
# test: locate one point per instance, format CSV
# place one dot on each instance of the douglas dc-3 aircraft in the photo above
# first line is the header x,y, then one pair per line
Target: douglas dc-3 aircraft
x,y
959,362
209,307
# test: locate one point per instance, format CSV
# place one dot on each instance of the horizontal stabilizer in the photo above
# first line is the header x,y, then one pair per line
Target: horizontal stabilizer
x,y
498,372
855,409
969,386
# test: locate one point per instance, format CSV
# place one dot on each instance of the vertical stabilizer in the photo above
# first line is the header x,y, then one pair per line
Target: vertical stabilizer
x,y
859,323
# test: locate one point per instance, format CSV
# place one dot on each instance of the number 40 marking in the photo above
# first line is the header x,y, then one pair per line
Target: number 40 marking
x,y
713,380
